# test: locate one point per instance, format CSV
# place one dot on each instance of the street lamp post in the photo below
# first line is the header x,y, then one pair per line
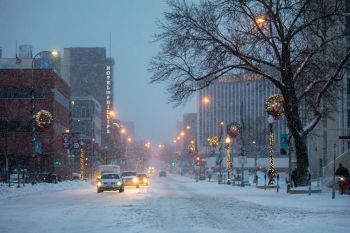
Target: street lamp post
x,y
255,164
220,150
53,53
228,142
271,173
274,107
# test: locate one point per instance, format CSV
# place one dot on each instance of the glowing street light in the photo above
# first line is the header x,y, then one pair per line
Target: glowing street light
x,y
129,139
182,134
260,21
111,113
206,100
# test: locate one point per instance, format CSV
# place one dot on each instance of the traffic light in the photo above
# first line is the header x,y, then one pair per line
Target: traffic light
x,y
58,162
173,163
283,144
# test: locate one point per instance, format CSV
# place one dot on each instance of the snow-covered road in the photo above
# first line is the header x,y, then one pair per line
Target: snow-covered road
x,y
173,204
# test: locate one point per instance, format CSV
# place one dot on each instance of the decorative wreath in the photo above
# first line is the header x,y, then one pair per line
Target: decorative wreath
x,y
233,129
191,148
43,119
213,141
274,106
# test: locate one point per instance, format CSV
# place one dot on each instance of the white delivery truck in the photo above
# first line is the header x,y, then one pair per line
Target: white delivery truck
x,y
109,168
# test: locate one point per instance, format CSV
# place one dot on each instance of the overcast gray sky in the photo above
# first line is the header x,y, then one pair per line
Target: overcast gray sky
x,y
58,24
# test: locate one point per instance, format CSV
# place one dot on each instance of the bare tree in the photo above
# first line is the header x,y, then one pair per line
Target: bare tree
x,y
292,43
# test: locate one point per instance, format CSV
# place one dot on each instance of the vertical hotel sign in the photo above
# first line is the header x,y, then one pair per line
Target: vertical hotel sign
x,y
108,98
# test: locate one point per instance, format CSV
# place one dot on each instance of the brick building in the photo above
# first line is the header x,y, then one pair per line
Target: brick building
x,y
52,94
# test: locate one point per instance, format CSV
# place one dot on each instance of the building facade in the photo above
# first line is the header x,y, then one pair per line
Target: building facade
x,y
86,118
90,73
51,93
238,99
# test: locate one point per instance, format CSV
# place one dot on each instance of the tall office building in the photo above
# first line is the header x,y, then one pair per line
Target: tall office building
x,y
238,99
90,73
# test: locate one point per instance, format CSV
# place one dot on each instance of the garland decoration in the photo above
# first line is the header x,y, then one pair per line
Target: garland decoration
x,y
213,141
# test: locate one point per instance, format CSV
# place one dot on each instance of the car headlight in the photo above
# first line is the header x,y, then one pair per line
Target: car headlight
x,y
145,180
342,179
135,180
119,183
99,184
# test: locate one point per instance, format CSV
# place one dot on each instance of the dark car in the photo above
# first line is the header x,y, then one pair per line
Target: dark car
x,y
47,177
143,179
162,173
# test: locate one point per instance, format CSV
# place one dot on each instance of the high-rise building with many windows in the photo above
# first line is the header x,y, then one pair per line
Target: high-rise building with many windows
x,y
238,99
90,73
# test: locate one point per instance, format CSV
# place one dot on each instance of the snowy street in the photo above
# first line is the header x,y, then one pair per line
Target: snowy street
x,y
172,204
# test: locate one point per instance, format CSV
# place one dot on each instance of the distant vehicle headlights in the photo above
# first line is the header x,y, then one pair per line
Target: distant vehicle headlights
x,y
119,183
145,180
99,184
135,180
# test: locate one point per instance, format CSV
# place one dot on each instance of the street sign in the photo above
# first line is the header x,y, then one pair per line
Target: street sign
x,y
344,137
38,147
76,140
283,144
65,138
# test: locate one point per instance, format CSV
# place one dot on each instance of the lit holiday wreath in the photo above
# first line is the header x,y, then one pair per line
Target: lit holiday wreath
x,y
233,129
274,106
43,119
213,141
191,148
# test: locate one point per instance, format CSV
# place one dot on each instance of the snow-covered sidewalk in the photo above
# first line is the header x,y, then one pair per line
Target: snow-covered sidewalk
x,y
12,192
270,196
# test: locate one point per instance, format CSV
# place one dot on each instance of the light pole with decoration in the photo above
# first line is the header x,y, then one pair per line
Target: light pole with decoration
x,y
274,108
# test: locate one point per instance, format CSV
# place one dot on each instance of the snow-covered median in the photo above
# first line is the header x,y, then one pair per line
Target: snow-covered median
x,y
10,192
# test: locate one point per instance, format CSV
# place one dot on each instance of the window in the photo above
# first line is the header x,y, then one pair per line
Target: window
x,y
15,126
20,92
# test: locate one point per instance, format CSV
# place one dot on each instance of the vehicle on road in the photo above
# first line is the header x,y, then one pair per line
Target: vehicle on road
x,y
108,168
22,176
130,179
47,177
110,182
162,174
143,179
151,170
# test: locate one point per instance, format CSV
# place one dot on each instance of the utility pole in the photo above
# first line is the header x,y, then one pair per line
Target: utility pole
x,y
242,150
334,156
